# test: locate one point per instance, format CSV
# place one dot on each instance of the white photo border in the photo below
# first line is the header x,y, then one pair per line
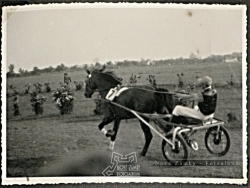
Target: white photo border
x,y
66,180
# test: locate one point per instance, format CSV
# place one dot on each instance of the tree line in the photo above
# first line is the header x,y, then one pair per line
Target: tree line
x,y
37,71
237,56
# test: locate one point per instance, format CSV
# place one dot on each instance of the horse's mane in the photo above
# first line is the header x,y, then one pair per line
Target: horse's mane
x,y
108,72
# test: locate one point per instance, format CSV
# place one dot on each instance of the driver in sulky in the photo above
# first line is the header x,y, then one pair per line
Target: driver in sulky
x,y
207,100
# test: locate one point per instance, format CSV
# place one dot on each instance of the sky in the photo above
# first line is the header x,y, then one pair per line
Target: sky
x,y
77,36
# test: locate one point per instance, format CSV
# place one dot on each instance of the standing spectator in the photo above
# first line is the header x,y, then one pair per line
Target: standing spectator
x,y
67,79
16,107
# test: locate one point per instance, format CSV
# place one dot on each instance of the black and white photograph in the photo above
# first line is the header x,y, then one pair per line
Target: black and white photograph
x,y
124,92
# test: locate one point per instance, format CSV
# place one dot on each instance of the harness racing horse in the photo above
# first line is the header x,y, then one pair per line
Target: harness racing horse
x,y
138,99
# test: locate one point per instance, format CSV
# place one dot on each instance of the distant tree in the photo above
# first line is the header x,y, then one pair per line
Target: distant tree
x,y
109,63
135,63
192,56
50,69
126,63
119,63
85,66
21,71
143,62
35,70
11,73
206,60
216,58
61,67
26,73
179,60
74,68
11,68
236,54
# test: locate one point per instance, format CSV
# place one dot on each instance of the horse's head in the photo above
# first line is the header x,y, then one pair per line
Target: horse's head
x,y
100,80
90,85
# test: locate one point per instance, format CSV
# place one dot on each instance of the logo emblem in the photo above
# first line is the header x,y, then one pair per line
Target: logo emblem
x,y
123,165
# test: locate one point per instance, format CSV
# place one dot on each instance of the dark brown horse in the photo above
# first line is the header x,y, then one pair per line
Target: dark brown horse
x,y
144,100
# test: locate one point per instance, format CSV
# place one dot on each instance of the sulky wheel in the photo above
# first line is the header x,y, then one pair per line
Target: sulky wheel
x,y
176,156
217,142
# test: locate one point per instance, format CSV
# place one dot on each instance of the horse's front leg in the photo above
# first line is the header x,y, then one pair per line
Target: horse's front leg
x,y
114,133
104,122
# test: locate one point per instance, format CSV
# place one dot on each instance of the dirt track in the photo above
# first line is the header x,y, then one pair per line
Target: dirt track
x,y
73,146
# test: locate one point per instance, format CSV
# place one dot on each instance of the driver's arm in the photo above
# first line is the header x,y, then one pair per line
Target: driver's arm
x,y
191,96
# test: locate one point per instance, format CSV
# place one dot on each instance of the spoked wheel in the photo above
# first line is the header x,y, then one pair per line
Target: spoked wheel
x,y
176,156
217,142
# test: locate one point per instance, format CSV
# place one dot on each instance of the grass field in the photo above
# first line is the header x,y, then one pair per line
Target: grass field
x,y
52,145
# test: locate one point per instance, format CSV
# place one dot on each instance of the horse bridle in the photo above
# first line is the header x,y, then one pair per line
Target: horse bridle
x,y
96,90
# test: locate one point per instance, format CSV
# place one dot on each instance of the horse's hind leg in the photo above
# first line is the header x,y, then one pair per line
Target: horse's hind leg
x,y
148,137
113,137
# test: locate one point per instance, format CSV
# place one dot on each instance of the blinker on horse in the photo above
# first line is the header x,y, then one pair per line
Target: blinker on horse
x,y
138,99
